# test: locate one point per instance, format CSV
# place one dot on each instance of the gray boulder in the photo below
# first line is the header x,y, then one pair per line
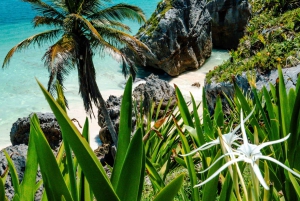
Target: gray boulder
x,y
20,130
229,19
215,89
178,35
155,90
18,153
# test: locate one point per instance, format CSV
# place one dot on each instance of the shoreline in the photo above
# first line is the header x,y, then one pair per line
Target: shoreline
x,y
184,81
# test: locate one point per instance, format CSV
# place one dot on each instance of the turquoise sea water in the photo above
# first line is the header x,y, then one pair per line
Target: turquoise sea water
x,y
19,92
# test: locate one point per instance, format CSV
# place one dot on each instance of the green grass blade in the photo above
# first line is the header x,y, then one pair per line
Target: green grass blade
x,y
197,123
89,163
54,183
284,107
153,174
124,132
131,169
70,167
16,198
218,115
142,178
293,141
227,189
184,111
210,189
189,162
28,184
13,173
2,190
207,122
170,191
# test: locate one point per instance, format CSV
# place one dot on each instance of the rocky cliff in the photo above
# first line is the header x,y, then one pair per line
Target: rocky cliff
x,y
229,19
178,35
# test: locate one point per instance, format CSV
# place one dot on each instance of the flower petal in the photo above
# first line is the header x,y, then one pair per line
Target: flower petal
x,y
203,147
219,170
279,163
263,145
259,175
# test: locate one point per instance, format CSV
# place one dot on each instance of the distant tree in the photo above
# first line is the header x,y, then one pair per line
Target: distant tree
x,y
79,28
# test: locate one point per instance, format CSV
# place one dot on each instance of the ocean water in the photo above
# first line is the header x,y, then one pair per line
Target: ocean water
x,y
19,92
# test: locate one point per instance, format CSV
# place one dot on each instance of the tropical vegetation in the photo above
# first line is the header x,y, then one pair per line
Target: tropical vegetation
x,y
272,39
78,29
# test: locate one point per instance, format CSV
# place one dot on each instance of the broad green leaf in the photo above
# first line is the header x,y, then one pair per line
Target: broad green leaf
x,y
294,127
198,123
226,191
184,111
2,190
154,176
131,169
13,173
267,194
16,198
89,163
54,183
170,191
28,184
124,133
207,122
284,107
210,189
218,113
189,162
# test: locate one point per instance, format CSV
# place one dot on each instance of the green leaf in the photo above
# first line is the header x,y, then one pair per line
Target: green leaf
x,y
170,191
131,169
198,123
218,113
226,190
54,183
154,176
124,133
89,163
210,189
13,173
2,190
189,162
184,111
28,184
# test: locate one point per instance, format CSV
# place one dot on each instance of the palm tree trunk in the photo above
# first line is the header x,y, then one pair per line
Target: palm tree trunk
x,y
88,86
107,118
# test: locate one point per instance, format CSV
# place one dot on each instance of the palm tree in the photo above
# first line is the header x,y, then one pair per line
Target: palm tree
x,y
80,27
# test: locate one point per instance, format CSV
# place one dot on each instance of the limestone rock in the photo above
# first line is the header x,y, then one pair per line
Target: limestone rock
x,y
178,35
18,153
262,79
229,19
19,133
153,89
156,90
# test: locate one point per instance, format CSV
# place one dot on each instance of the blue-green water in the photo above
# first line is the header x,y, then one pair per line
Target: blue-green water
x,y
19,93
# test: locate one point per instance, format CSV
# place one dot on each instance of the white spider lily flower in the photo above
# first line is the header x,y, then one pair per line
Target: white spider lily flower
x,y
249,153
228,139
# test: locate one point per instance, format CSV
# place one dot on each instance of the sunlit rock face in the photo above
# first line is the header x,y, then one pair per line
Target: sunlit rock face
x,y
178,35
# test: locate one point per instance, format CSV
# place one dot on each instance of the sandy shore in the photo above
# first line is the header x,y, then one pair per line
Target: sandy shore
x,y
184,82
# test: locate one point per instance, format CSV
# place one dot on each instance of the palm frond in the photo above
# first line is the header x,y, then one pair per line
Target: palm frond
x,y
45,9
38,39
59,61
94,34
120,12
41,20
113,24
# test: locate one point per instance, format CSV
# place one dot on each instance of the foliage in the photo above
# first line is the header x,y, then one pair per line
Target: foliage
x,y
276,116
79,177
152,24
270,40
